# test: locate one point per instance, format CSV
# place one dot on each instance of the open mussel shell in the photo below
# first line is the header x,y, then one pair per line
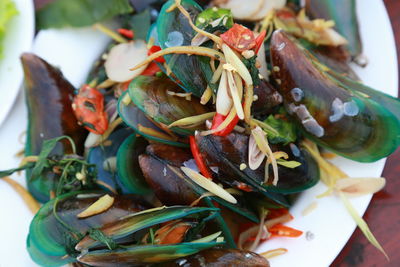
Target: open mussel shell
x,y
135,118
54,230
49,101
130,175
267,98
343,13
221,257
226,154
174,30
154,96
127,225
349,124
105,159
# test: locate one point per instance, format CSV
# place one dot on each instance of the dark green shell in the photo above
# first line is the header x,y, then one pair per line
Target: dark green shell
x,y
49,101
348,123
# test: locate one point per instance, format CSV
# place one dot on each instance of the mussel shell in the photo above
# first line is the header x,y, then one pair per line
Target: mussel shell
x,y
141,255
99,154
349,124
150,94
49,101
343,12
174,30
161,165
226,154
50,244
221,257
134,117
267,98
130,175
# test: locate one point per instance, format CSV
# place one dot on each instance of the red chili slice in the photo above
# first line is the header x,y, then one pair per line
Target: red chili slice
x,y
239,38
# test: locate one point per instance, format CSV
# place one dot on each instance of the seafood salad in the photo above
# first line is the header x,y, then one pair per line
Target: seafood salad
x,y
197,129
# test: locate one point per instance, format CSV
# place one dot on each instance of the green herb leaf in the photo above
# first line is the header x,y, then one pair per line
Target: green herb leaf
x,y
362,224
288,163
285,129
47,147
7,11
251,66
11,171
79,13
139,24
98,235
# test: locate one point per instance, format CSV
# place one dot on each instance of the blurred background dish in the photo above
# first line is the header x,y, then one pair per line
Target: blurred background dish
x,y
18,39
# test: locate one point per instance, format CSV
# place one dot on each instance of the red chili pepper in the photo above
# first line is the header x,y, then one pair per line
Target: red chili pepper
x,y
239,38
285,14
151,69
218,119
125,32
285,231
153,50
88,107
244,187
260,40
198,158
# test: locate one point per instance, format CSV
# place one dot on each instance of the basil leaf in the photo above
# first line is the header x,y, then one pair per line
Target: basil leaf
x,y
79,13
286,131
47,147
251,66
11,171
98,235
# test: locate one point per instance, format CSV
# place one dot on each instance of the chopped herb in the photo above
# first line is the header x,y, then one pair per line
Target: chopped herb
x,y
98,235
251,66
138,23
286,130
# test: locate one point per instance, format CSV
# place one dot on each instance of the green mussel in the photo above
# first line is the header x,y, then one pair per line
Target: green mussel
x,y
127,232
335,116
49,101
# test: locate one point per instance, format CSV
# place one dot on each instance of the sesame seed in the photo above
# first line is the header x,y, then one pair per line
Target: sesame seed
x,y
276,69
278,81
243,166
246,37
202,20
240,46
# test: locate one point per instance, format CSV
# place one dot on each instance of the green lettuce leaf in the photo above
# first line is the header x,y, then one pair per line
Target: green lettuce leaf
x,y
7,11
79,13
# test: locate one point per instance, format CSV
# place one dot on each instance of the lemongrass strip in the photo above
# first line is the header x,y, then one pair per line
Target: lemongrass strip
x,y
32,204
207,194
265,126
310,208
262,143
231,116
206,96
126,100
267,21
111,127
212,64
192,120
190,50
99,206
208,185
360,186
106,84
281,219
28,159
248,101
208,238
154,133
224,100
239,66
213,37
259,232
109,32
274,253
237,100
239,84
150,43
171,8
217,73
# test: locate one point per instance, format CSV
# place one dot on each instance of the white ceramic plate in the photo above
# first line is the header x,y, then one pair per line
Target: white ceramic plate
x,y
330,224
18,39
